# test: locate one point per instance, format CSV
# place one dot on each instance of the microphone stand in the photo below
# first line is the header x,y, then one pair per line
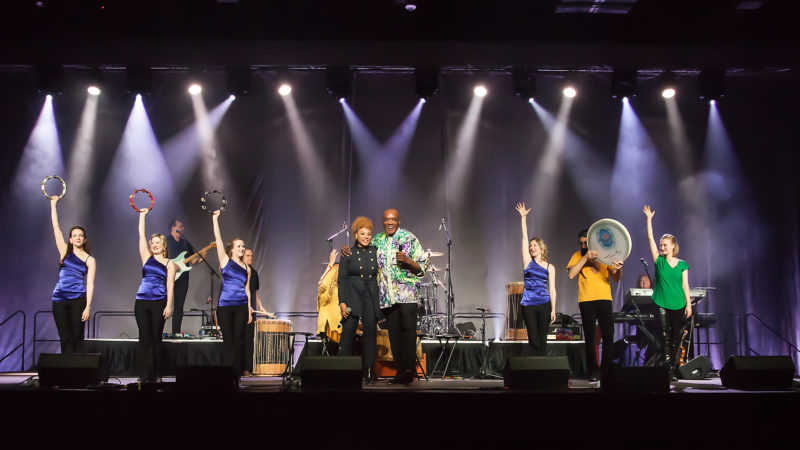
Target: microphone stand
x,y
650,362
330,239
483,373
213,273
451,303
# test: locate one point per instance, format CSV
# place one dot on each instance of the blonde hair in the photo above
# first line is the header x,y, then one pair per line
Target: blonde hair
x,y
674,242
361,222
165,252
542,246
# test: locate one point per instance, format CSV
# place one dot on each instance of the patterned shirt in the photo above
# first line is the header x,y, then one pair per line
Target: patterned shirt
x,y
395,283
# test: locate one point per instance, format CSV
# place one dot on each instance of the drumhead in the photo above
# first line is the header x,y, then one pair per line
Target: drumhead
x,y
610,239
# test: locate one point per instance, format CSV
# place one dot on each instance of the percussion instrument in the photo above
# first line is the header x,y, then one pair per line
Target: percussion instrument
x,y
63,185
207,195
133,204
271,350
515,325
610,239
431,254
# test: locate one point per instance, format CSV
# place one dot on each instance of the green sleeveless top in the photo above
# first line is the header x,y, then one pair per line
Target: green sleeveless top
x,y
668,289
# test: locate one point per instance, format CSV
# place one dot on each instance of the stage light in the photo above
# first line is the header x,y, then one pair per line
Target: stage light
x,y
285,89
139,79
530,100
668,93
232,97
570,92
422,100
625,99
341,100
195,89
48,97
339,82
480,90
93,90
50,78
712,102
524,82
623,83
426,82
238,80
710,84
410,7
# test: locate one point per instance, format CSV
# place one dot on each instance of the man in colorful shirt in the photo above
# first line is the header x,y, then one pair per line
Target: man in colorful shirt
x,y
401,263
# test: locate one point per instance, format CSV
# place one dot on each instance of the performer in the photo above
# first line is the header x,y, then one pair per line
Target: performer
x,y
234,299
670,290
255,306
643,282
72,296
401,263
154,299
594,301
358,295
176,244
539,296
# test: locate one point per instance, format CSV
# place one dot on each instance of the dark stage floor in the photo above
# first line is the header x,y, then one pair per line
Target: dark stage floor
x,y
450,413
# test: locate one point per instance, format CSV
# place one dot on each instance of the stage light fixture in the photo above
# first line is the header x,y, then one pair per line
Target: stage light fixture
x,y
480,90
410,7
139,79
524,82
668,92
570,92
339,82
195,89
426,82
710,84
93,90
625,100
232,97
50,78
341,100
284,89
238,80
623,83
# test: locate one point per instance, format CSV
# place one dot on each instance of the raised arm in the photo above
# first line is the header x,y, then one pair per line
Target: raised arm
x,y
523,215
223,257
171,269
144,250
653,247
61,244
551,287
91,265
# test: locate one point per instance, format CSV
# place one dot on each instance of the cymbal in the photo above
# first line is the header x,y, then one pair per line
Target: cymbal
x,y
432,254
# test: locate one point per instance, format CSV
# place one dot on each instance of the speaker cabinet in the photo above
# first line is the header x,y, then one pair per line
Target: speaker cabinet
x,y
536,372
206,378
696,369
331,372
638,380
757,372
72,370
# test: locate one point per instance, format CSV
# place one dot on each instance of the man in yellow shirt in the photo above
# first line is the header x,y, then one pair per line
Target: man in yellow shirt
x,y
594,301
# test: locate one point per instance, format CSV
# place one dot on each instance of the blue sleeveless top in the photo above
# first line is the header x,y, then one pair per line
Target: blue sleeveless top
x,y
536,292
71,279
234,279
154,281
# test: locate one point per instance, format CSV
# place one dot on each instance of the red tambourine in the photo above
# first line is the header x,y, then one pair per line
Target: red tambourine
x,y
152,200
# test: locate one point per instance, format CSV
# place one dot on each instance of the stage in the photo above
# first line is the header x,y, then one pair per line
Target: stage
x,y
427,414
466,360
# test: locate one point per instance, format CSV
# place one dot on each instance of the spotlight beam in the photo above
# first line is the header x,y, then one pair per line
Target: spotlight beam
x,y
460,162
80,162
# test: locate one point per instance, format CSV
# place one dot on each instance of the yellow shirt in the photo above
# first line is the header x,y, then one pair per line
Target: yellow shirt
x,y
592,285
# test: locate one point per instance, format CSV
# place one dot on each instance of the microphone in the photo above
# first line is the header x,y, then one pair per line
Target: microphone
x,y
441,224
643,262
349,310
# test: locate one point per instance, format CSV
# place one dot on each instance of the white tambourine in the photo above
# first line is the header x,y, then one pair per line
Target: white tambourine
x,y
63,185
610,239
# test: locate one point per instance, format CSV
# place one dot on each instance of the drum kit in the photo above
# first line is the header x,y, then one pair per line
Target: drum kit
x,y
430,321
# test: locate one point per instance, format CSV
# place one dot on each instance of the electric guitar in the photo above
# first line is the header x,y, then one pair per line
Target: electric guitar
x,y
181,260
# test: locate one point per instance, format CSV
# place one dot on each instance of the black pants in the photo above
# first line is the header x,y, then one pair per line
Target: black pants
x,y
672,321
150,320
69,324
179,298
233,321
370,339
537,319
597,311
401,319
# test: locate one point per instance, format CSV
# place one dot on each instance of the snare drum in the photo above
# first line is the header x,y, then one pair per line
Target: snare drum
x,y
271,347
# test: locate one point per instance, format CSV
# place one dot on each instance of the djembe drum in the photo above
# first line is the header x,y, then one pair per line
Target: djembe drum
x,y
515,325
271,347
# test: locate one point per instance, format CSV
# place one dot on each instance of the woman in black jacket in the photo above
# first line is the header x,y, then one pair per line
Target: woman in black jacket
x,y
358,295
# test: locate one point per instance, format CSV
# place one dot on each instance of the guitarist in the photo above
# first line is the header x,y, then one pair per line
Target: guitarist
x,y
177,244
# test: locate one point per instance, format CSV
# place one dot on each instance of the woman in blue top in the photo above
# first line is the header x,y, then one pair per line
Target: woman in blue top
x,y
153,300
539,296
233,310
72,297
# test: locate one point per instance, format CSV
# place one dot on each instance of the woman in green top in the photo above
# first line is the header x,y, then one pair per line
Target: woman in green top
x,y
670,290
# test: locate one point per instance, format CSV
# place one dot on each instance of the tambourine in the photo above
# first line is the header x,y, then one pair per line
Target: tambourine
x,y
63,185
152,200
610,239
205,196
